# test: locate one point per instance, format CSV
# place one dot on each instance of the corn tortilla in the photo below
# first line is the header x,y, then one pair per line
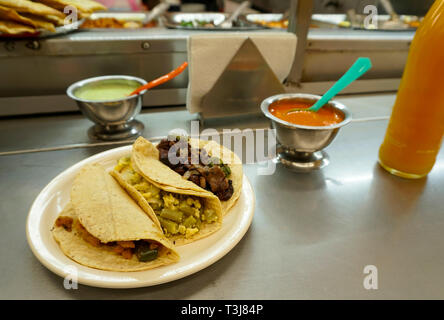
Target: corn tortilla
x,y
53,19
108,213
36,22
11,27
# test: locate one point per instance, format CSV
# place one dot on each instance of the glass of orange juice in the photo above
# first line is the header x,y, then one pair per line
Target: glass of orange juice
x,y
416,126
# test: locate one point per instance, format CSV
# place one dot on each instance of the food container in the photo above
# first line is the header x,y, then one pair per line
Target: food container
x,y
41,33
274,20
300,147
124,20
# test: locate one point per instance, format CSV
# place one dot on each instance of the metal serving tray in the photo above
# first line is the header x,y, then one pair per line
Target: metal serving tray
x,y
174,20
323,21
125,16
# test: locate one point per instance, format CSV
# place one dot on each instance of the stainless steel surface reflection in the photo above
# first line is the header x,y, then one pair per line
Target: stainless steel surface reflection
x,y
301,146
114,119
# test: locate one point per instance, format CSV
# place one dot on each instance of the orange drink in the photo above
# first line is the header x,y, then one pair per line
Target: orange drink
x,y
416,126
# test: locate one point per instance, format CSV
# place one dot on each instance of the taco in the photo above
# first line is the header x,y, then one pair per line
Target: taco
x,y
184,211
103,228
207,164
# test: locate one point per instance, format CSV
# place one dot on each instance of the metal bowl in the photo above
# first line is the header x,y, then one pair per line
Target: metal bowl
x,y
300,147
114,119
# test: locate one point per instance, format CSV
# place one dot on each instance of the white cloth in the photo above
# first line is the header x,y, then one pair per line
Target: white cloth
x,y
209,55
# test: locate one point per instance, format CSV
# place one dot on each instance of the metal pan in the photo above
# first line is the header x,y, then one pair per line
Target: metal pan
x,y
356,22
256,18
331,21
318,20
72,27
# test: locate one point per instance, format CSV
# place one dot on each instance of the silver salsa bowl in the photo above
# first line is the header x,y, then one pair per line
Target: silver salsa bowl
x,y
300,147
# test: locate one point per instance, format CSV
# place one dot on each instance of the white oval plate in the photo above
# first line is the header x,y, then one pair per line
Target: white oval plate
x,y
193,257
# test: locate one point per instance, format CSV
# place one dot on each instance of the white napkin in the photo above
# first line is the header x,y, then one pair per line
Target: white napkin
x,y
209,55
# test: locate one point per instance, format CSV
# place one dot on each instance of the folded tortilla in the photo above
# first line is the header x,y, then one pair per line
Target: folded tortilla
x,y
145,162
38,9
11,27
102,208
36,21
53,19
84,6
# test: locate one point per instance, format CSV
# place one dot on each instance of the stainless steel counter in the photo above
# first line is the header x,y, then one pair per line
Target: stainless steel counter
x,y
311,237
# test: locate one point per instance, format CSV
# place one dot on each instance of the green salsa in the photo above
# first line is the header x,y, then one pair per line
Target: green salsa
x,y
104,91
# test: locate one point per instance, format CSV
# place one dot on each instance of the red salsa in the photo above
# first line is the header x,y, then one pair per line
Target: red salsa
x,y
326,116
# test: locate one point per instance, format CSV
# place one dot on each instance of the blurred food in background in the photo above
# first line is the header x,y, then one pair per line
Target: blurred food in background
x,y
118,20
345,13
379,22
283,24
113,23
198,23
349,20
24,17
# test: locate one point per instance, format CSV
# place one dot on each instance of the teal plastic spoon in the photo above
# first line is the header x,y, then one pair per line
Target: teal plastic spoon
x,y
361,66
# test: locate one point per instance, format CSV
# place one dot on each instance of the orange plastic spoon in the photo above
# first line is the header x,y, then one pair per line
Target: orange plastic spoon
x,y
161,80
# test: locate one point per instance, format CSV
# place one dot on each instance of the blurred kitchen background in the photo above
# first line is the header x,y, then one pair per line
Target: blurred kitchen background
x,y
151,52
406,7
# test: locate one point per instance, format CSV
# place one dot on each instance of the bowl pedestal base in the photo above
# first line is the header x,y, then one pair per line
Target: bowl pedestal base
x,y
116,132
301,161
